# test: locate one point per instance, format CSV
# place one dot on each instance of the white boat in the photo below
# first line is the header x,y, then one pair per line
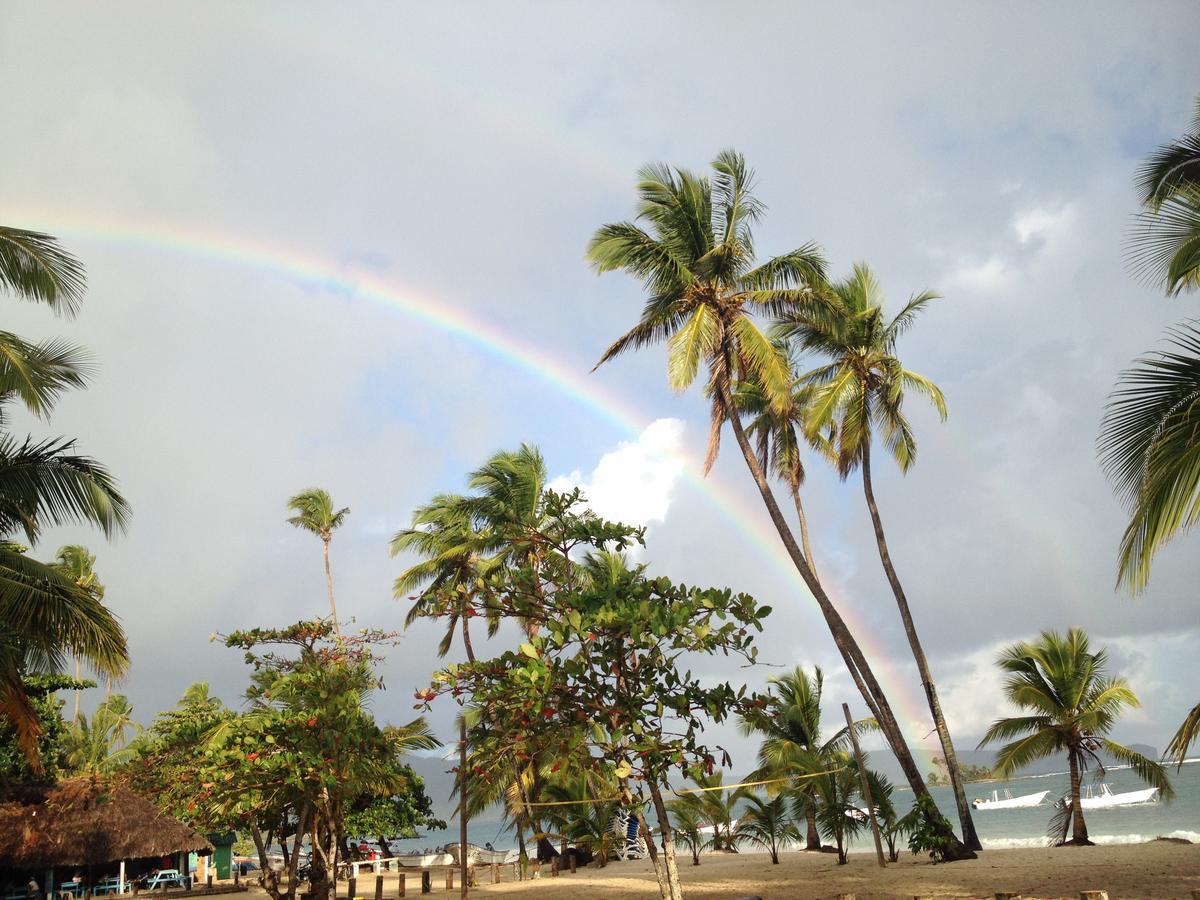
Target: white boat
x,y
424,860
1005,800
480,856
1102,797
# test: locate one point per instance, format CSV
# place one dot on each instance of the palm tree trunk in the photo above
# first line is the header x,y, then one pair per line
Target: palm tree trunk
x,y
1079,832
77,691
803,519
462,770
329,584
970,838
851,653
812,840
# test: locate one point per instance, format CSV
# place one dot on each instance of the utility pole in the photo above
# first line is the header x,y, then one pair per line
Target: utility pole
x,y
866,787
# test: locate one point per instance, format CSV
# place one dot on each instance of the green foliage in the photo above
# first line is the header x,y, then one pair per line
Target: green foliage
x,y
687,819
767,824
304,756
928,830
100,745
15,766
939,776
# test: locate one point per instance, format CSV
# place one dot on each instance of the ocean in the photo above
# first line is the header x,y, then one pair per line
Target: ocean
x,y
997,829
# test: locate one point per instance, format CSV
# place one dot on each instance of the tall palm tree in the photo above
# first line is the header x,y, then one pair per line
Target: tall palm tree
x,y
862,390
793,741
696,259
45,483
1072,707
315,513
100,745
78,563
1148,442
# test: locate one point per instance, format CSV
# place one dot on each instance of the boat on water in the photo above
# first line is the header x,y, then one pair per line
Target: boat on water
x,y
1101,796
480,856
1003,799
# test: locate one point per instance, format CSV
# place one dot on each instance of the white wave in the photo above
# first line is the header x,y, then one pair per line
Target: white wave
x,y
1012,843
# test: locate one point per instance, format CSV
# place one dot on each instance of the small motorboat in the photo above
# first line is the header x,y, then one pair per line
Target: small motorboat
x,y
1004,799
1102,797
424,860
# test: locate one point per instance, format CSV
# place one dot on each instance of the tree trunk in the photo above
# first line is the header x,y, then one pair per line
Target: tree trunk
x,y
970,838
812,840
462,772
660,872
385,851
1079,832
329,584
674,887
803,520
851,653
77,691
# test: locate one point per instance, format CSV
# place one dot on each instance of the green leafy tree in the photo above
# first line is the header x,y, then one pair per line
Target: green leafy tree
x,y
601,675
1073,706
695,256
767,824
314,512
45,483
862,392
15,766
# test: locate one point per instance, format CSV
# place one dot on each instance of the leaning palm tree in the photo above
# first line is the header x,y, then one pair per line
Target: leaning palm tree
x,y
696,259
1072,707
78,563
793,743
45,483
314,512
767,824
862,390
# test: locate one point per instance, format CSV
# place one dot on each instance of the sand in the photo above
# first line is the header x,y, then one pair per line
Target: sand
x,y
1155,869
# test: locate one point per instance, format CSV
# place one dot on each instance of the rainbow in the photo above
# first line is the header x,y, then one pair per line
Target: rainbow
x,y
325,277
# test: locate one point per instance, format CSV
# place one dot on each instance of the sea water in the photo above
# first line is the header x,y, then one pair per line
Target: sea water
x,y
997,829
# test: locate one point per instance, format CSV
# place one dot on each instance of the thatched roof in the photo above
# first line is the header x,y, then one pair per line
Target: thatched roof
x,y
78,822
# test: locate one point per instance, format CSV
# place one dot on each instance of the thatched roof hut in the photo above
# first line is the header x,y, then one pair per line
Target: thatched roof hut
x,y
82,822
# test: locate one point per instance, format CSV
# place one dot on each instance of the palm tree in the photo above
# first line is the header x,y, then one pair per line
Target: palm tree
x,y
1147,440
687,820
697,263
717,804
100,745
46,483
314,513
793,745
1072,706
77,563
767,824
862,390
835,799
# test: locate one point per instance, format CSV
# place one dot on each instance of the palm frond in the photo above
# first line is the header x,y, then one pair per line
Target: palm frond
x,y
33,266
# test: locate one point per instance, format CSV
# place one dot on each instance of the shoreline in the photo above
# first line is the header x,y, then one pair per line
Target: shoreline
x,y
1158,868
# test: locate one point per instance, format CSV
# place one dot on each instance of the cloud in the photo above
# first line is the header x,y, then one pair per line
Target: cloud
x,y
634,483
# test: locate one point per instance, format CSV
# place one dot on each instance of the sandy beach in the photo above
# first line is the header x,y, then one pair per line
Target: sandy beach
x,y
1156,869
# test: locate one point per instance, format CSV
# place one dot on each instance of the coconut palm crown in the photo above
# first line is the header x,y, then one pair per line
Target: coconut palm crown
x,y
315,513
696,256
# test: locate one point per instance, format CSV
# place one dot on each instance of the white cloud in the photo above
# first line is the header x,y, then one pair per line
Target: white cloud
x,y
1041,223
990,275
635,482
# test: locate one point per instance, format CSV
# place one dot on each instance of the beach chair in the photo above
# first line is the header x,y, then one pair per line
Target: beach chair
x,y
629,843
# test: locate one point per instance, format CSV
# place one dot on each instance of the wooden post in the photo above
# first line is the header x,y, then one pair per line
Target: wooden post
x,y
426,881
866,788
401,884
449,879
352,885
554,866
1097,895
495,873
121,878
208,881
378,887
572,860
237,874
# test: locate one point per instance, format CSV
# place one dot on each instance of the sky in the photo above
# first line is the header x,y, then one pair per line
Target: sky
x,y
343,247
